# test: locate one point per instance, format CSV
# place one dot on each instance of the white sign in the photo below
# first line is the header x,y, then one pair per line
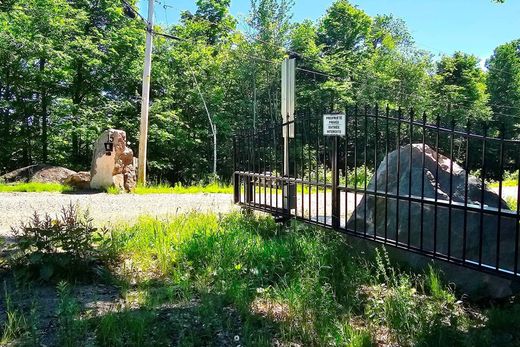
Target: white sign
x,y
334,125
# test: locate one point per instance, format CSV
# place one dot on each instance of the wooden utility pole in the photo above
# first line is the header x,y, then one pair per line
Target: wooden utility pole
x,y
143,135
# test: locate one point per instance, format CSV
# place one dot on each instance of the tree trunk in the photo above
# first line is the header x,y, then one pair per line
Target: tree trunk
x,y
76,100
43,114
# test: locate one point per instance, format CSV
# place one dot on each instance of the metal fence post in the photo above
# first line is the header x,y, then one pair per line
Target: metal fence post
x,y
335,183
236,177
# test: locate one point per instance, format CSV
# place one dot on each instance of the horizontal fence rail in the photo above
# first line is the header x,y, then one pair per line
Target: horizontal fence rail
x,y
400,180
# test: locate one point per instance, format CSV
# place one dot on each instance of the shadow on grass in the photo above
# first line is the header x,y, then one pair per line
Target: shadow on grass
x,y
245,281
208,321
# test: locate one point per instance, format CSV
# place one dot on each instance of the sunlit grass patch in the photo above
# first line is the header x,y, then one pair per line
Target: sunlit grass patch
x,y
163,188
508,183
510,179
34,187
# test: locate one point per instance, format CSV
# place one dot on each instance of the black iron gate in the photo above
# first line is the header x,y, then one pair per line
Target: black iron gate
x,y
395,179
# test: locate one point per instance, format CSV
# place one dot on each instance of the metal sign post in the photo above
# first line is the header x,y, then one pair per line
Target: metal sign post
x,y
288,96
335,125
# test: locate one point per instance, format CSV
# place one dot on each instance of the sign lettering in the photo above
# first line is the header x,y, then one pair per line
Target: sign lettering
x,y
334,125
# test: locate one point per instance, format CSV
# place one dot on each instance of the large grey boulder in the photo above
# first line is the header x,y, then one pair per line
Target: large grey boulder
x,y
40,173
426,226
115,168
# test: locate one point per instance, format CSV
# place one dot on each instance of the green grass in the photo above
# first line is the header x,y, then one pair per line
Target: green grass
x,y
510,179
213,280
264,283
507,183
216,188
34,187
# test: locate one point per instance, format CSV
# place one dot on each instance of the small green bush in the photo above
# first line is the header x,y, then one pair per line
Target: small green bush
x,y
68,246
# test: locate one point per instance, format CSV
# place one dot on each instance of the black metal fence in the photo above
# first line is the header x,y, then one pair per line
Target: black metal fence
x,y
396,179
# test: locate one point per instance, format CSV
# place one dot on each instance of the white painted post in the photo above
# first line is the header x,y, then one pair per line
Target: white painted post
x,y
288,91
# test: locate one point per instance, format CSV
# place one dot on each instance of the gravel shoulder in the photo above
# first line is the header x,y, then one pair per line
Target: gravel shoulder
x,y
108,209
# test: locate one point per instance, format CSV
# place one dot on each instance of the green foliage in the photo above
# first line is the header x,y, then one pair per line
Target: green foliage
x,y
504,86
20,324
414,318
15,324
71,328
461,85
127,328
82,63
66,247
34,187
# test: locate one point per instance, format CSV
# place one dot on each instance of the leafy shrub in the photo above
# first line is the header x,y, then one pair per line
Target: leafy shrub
x,y
68,246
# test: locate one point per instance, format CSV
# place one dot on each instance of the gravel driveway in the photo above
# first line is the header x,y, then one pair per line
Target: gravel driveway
x,y
106,208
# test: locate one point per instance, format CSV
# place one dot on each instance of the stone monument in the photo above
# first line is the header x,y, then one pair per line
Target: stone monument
x,y
112,162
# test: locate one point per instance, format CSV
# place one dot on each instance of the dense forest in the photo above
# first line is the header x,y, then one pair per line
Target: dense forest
x,y
71,68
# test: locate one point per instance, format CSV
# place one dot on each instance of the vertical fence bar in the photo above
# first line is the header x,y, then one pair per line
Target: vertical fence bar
x,y
422,179
499,217
265,151
376,138
466,185
517,222
410,180
398,193
387,134
295,173
255,168
325,140
248,178
236,185
450,198
272,163
365,139
309,137
346,167
302,160
318,135
355,166
435,221
273,189
335,182
482,196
